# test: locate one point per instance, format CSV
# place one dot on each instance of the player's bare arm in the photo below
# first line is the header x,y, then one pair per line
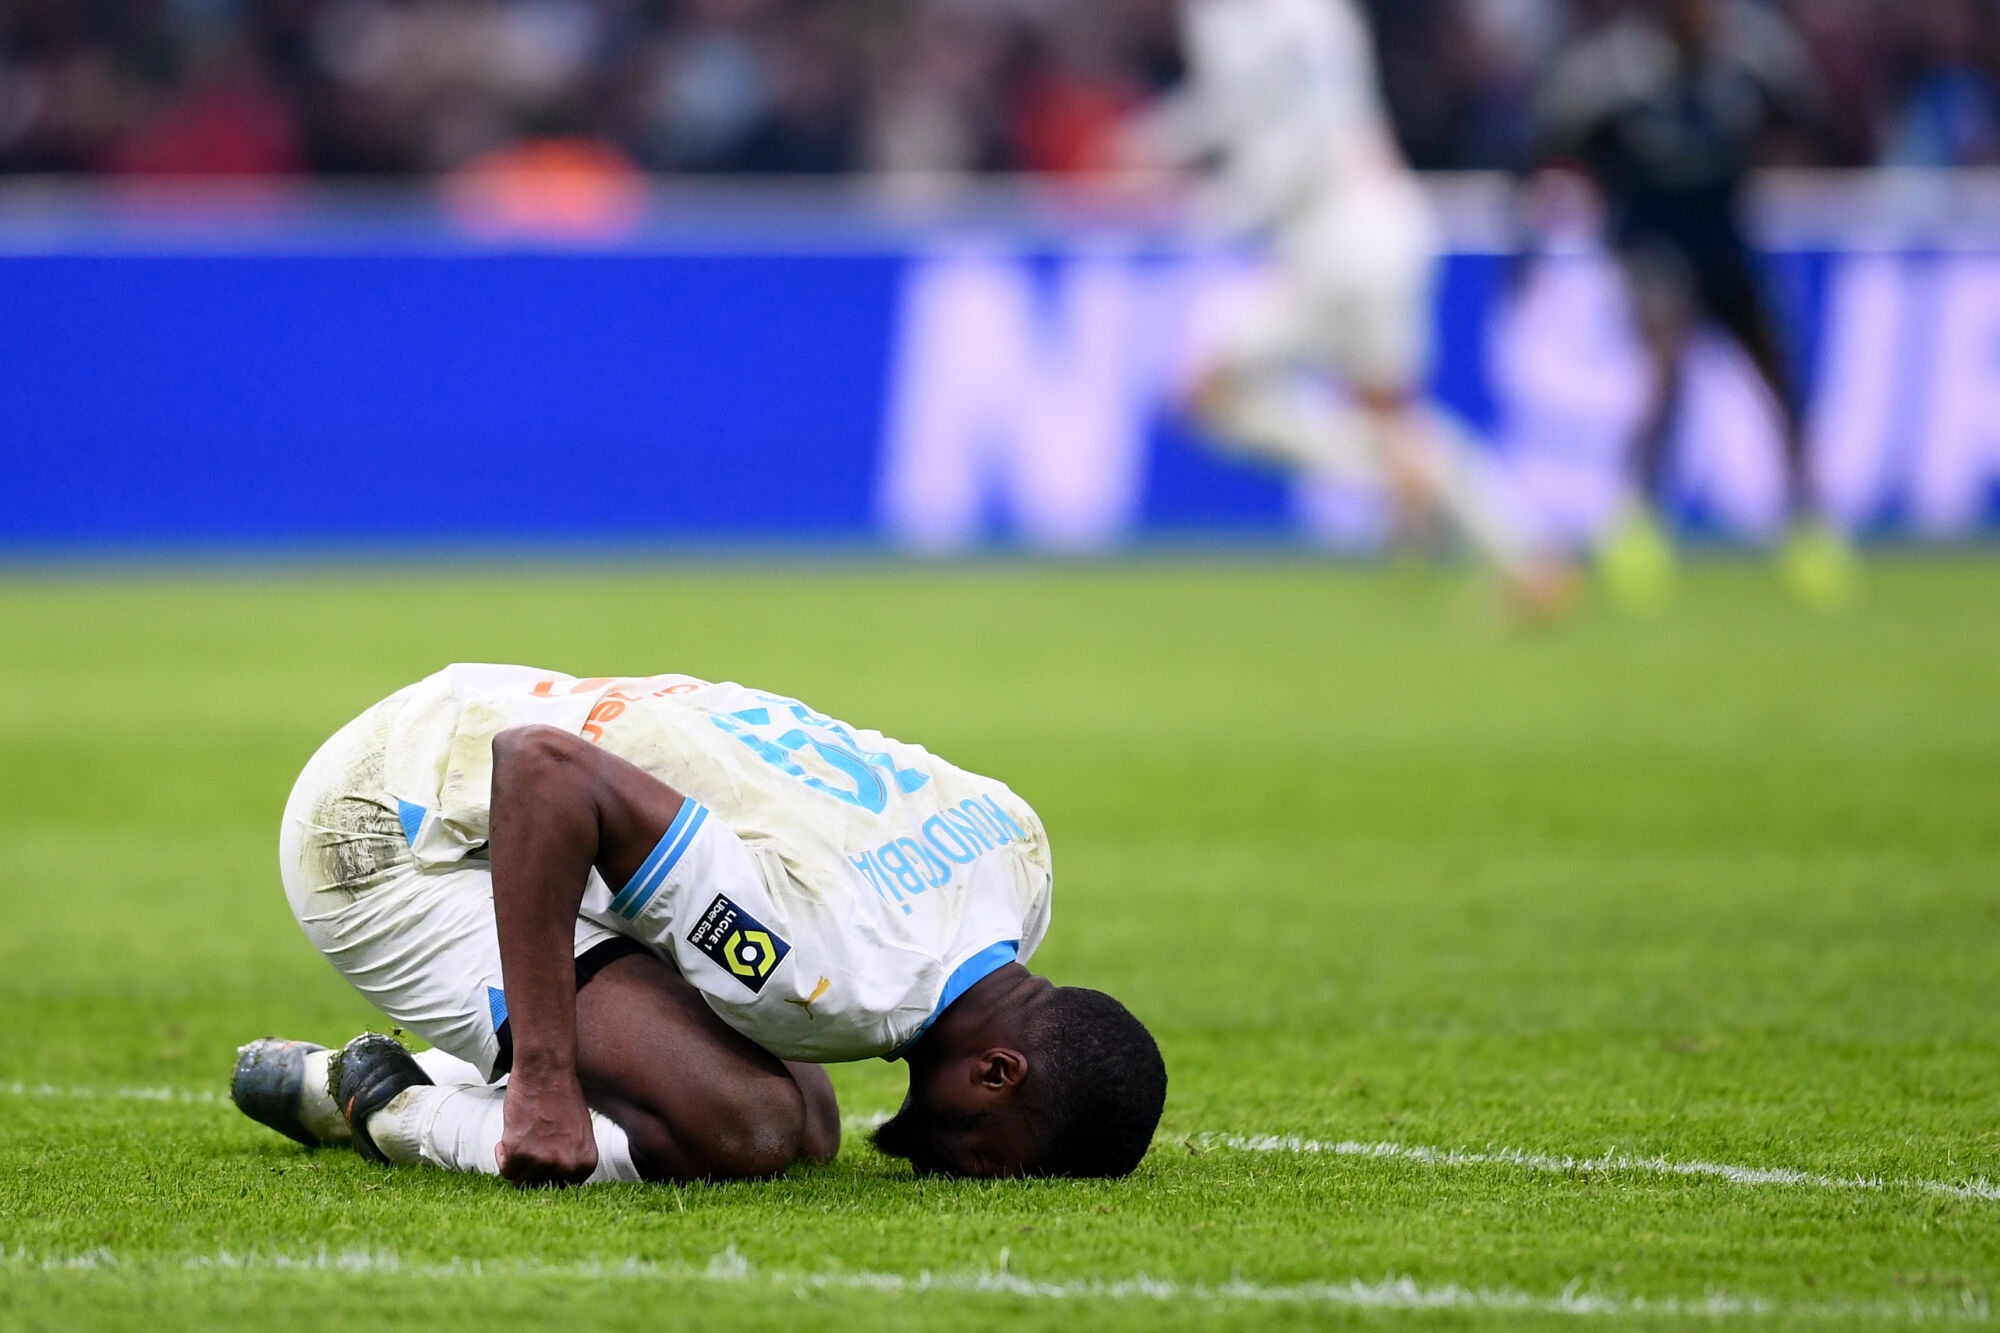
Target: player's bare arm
x,y
560,806
696,1099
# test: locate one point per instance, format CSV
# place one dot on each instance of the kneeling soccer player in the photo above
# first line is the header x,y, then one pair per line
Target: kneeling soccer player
x,y
654,906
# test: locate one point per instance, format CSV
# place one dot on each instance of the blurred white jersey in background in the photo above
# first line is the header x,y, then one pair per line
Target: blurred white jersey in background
x,y
1284,94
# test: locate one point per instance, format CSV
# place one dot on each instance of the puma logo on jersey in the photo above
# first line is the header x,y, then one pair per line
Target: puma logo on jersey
x,y
810,1000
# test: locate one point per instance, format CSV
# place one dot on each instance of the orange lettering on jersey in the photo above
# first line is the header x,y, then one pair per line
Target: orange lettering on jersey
x,y
639,688
606,710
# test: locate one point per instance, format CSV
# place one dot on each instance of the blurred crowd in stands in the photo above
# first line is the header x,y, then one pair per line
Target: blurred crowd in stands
x,y
813,86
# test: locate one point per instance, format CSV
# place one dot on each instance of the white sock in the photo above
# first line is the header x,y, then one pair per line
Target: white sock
x,y
1466,491
459,1127
318,1113
447,1069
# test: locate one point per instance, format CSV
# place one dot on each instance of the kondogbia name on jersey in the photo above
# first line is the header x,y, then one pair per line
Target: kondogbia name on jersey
x,y
902,868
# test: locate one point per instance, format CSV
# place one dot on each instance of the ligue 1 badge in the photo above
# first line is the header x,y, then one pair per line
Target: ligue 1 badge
x,y
741,944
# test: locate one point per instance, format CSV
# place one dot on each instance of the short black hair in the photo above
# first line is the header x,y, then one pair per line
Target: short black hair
x,y
1097,1082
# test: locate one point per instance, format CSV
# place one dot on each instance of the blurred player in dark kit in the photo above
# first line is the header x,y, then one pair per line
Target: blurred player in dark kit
x,y
1664,108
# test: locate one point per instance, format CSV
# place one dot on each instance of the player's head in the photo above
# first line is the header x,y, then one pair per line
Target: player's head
x,y
1061,1081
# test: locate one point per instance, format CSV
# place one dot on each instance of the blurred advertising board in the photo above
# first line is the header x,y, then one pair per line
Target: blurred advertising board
x,y
243,368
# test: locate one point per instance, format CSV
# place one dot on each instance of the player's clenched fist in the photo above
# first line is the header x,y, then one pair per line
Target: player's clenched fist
x,y
548,1138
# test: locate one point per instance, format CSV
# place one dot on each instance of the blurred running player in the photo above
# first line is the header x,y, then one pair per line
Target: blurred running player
x,y
1664,108
1284,94
654,907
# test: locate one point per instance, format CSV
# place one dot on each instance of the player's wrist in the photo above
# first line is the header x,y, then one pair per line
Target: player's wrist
x,y
545,1071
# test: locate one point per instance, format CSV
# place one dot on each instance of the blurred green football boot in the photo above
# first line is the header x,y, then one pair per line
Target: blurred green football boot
x,y
1817,564
1637,563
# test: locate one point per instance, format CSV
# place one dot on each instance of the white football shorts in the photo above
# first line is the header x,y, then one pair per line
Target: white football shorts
x,y
421,945
1352,292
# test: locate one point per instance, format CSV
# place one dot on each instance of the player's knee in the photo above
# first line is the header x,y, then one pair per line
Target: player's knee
x,y
518,748
749,1132
722,1152
760,1131
753,1151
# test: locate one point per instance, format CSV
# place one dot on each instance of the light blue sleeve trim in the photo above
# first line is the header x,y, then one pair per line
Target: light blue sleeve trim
x,y
411,815
673,845
963,978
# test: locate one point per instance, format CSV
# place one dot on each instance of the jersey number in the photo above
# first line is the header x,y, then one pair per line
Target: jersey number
x,y
786,730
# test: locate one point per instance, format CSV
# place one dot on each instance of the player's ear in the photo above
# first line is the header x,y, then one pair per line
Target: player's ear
x,y
1000,1069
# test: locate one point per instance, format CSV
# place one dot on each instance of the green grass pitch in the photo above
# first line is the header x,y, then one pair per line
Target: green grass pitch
x,y
1632,974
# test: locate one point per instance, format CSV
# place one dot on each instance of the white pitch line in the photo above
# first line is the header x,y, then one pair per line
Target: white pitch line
x,y
1607,1164
126,1094
731,1268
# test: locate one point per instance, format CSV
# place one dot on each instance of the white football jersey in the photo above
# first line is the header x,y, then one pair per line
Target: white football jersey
x,y
1286,90
881,881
